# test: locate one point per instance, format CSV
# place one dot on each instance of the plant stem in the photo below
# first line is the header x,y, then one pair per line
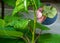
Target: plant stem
x,y
33,32
35,20
33,37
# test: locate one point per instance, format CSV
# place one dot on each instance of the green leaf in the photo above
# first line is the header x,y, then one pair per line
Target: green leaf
x,y
10,34
20,5
38,25
2,23
17,9
10,2
28,34
16,22
10,21
8,40
42,27
21,41
38,3
26,5
8,28
11,18
22,24
49,38
49,11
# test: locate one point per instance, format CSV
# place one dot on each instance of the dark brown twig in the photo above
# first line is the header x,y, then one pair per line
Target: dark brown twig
x,y
2,6
27,39
38,36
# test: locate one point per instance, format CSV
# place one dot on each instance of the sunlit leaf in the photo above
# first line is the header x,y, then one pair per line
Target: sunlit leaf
x,y
23,23
20,5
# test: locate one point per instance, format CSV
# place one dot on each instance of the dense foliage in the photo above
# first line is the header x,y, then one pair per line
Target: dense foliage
x,y
16,29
